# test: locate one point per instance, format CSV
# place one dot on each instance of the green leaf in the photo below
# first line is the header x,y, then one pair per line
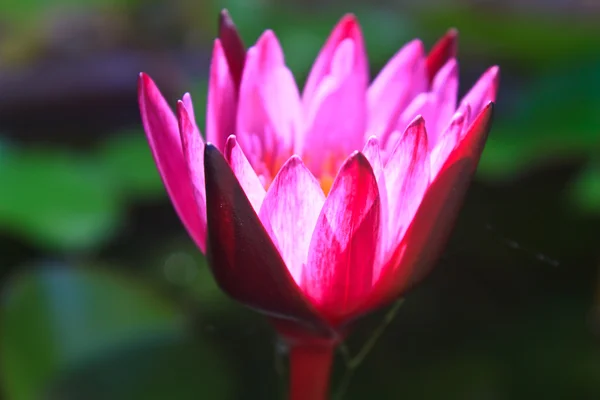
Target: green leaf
x,y
58,319
166,369
58,199
128,162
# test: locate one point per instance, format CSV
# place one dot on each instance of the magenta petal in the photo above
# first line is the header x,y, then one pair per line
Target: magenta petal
x,y
193,153
221,107
402,78
346,29
189,106
431,226
344,245
243,259
269,108
407,177
448,140
235,51
289,213
482,92
442,51
162,132
372,152
336,119
245,174
445,87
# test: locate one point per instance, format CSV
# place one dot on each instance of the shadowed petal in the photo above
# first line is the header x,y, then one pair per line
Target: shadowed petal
x,y
235,51
163,136
243,259
244,172
442,51
289,213
221,106
344,245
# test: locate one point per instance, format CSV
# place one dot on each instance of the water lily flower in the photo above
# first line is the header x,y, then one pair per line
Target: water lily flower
x,y
316,207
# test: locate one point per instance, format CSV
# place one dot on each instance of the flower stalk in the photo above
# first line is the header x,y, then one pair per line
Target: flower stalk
x,y
310,370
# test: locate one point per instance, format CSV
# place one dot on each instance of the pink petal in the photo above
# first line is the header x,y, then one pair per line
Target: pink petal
x,y
346,29
336,117
193,153
372,153
482,92
436,106
445,86
402,78
289,213
242,257
448,140
163,136
407,177
235,51
189,106
442,51
269,105
424,105
244,172
344,245
221,107
431,226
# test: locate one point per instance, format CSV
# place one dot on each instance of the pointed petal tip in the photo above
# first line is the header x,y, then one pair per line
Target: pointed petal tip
x,y
267,38
294,160
444,49
225,19
144,81
349,25
417,122
418,127
212,156
230,144
373,139
356,157
494,71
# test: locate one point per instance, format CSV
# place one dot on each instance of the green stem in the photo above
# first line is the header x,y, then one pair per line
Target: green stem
x,y
352,363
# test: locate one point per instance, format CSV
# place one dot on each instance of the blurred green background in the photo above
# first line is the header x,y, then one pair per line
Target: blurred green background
x,y
105,297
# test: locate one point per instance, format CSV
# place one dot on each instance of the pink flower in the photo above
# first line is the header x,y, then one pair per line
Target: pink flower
x,y
319,206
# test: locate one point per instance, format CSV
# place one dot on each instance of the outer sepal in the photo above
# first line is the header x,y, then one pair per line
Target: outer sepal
x,y
243,259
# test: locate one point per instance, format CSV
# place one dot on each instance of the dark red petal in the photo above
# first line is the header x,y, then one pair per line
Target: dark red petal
x,y
442,51
243,259
429,230
233,46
